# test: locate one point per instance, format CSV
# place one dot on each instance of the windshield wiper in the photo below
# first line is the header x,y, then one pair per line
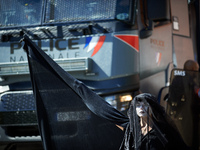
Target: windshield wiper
x,y
89,29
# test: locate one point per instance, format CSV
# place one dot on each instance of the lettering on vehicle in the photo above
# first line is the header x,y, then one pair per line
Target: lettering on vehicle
x,y
179,73
56,49
157,44
59,44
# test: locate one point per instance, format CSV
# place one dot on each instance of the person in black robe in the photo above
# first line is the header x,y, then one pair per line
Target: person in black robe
x,y
149,127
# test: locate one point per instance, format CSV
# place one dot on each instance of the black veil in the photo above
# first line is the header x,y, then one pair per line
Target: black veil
x,y
164,127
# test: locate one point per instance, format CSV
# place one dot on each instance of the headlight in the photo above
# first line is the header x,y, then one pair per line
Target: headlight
x,y
119,101
126,98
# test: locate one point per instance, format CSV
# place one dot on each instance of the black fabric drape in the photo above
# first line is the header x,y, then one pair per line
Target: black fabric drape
x,y
70,115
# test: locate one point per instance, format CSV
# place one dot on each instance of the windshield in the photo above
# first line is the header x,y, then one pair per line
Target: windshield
x,y
29,12
20,12
84,10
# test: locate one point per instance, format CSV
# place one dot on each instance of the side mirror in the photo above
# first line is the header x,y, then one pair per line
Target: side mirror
x,y
147,31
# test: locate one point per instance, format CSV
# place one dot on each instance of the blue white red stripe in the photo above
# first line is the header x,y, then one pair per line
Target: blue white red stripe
x,y
94,43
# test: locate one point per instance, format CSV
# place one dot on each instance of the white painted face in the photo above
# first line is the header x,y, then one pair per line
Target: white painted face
x,y
142,108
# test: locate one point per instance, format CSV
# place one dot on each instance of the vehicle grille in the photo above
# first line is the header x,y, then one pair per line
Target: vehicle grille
x,y
17,101
17,108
